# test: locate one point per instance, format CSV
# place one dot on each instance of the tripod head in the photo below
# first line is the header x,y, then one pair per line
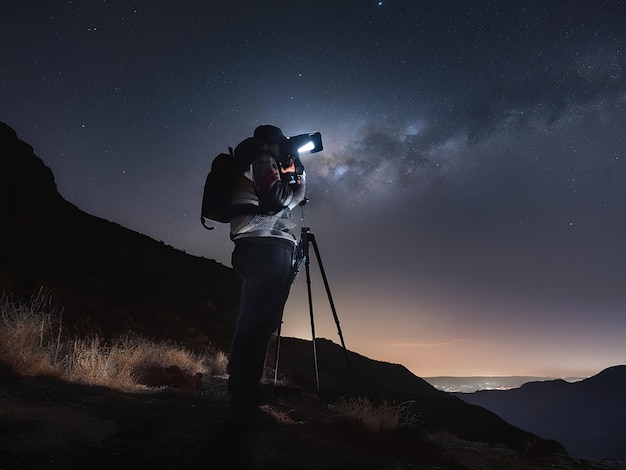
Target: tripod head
x,y
302,250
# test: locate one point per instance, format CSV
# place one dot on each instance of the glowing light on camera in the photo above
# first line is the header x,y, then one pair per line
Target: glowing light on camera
x,y
303,143
306,147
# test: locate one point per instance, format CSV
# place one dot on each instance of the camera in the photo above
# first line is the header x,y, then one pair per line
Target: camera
x,y
293,147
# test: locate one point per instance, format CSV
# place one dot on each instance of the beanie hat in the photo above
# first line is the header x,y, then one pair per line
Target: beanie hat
x,y
269,134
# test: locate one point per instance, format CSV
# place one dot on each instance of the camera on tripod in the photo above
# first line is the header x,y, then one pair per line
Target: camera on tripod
x,y
293,147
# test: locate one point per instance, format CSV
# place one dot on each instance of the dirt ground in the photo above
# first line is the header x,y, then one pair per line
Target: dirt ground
x,y
49,424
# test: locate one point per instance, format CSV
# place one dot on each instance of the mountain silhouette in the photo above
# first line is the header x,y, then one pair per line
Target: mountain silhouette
x,y
110,280
587,417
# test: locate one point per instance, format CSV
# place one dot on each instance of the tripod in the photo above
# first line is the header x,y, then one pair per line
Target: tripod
x,y
307,238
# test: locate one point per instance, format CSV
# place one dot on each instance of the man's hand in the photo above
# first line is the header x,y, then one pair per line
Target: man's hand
x,y
289,169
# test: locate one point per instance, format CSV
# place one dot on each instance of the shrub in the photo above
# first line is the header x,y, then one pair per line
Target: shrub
x,y
217,362
376,417
31,344
29,335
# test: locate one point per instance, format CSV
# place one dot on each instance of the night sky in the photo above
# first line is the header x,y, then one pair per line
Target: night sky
x,y
470,202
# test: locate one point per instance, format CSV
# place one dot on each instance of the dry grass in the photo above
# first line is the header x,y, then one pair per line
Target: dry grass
x,y
30,335
217,362
31,343
376,417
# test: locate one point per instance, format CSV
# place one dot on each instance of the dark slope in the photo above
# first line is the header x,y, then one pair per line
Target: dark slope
x,y
107,279
587,417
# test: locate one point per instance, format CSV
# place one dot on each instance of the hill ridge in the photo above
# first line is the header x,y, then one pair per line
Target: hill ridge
x,y
586,417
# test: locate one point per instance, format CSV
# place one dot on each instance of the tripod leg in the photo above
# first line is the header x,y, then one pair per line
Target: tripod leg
x,y
308,284
330,299
277,357
292,278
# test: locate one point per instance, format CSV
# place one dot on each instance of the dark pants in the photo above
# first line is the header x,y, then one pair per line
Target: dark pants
x,y
265,267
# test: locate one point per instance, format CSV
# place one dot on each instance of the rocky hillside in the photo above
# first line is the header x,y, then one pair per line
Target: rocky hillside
x,y
107,279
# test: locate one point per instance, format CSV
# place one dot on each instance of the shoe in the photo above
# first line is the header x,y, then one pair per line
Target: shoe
x,y
243,409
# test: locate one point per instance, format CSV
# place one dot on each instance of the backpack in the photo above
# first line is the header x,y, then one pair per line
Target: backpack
x,y
218,189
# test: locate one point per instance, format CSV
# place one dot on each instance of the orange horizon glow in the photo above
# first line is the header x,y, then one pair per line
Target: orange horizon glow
x,y
429,347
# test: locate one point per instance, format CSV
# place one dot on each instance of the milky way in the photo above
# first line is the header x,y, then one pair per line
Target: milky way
x,y
469,203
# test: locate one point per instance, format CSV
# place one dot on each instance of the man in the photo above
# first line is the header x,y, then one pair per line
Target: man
x,y
263,258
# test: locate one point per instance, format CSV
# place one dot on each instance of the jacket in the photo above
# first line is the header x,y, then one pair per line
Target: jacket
x,y
262,197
